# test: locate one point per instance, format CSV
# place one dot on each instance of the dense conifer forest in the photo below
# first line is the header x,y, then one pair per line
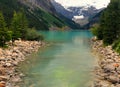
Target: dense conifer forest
x,y
108,29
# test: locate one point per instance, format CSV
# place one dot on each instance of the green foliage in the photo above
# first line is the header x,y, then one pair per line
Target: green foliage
x,y
5,35
116,46
22,24
19,26
8,7
112,22
109,29
32,35
2,21
37,17
94,29
47,19
15,27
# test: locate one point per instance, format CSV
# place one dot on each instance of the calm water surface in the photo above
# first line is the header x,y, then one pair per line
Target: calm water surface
x,y
67,62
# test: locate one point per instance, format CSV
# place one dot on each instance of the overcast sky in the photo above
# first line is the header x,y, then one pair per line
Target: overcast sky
x,y
97,3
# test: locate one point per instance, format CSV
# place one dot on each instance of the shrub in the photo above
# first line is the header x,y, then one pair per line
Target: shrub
x,y
97,31
116,46
33,35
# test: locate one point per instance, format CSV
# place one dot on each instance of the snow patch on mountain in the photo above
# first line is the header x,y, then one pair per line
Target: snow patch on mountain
x,y
78,17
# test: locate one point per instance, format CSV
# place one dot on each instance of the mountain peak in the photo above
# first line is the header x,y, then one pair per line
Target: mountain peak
x,y
78,10
98,4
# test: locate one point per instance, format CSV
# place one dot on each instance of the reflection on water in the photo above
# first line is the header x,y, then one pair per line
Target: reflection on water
x,y
68,62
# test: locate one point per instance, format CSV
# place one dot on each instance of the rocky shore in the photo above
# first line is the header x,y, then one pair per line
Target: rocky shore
x,y
107,73
10,58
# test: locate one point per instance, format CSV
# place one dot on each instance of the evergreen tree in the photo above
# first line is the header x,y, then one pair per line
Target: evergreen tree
x,y
15,27
110,22
19,26
5,35
23,24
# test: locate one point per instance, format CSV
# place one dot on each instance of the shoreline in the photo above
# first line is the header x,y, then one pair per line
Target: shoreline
x,y
107,72
10,59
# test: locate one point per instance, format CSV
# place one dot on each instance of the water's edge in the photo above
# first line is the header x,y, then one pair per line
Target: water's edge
x,y
68,62
10,59
107,72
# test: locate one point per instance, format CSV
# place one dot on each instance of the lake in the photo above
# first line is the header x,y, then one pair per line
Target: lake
x,y
67,62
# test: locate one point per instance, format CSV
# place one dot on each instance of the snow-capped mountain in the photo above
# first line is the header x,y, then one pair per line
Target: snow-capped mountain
x,y
98,4
78,10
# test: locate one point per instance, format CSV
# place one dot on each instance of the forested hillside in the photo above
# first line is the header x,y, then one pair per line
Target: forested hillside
x,y
37,17
40,14
108,29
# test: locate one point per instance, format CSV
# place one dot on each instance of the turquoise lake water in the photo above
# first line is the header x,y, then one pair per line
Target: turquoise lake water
x,y
67,62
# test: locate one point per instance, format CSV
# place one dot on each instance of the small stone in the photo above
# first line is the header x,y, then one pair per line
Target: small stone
x,y
2,85
113,79
16,79
17,86
8,64
118,85
22,75
3,78
15,63
109,67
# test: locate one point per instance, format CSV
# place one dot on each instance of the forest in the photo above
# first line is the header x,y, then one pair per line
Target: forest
x,y
108,28
18,28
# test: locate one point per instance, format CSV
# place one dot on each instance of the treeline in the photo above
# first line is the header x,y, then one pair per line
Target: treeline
x,y
18,28
108,29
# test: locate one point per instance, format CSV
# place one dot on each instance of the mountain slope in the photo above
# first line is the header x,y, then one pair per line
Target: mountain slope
x,y
37,16
79,11
48,6
93,20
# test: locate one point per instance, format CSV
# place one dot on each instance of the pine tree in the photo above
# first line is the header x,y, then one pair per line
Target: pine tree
x,y
19,25
5,35
15,27
23,24
110,22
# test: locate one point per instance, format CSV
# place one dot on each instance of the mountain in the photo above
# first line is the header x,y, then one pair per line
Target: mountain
x,y
48,6
41,14
44,4
79,11
84,3
93,20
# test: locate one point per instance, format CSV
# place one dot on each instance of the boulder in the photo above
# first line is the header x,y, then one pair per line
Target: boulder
x,y
16,79
15,55
2,84
109,67
113,79
102,83
2,71
118,69
3,78
15,63
118,85
8,64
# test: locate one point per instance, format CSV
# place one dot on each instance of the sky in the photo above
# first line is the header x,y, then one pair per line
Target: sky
x,y
77,3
